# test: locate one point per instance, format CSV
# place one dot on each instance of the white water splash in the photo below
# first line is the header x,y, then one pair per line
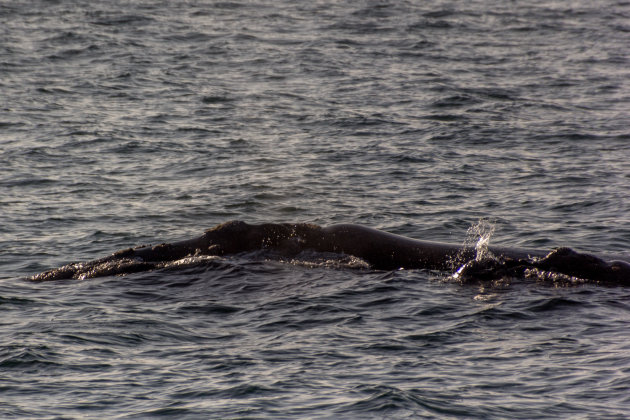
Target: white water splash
x,y
479,234
477,238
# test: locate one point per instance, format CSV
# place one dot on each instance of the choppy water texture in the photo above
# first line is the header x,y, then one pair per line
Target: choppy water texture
x,y
125,123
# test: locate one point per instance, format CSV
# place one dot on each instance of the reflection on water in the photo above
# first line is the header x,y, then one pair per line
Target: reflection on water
x,y
133,123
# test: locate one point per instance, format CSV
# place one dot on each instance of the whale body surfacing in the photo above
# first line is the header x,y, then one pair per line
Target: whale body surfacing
x,y
381,250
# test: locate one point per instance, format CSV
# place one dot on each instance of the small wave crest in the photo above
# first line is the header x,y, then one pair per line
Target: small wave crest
x,y
312,259
118,266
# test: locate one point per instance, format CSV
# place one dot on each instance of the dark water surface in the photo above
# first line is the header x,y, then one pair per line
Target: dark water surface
x,y
125,123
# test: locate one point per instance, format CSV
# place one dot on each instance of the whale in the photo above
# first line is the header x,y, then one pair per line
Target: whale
x,y
379,249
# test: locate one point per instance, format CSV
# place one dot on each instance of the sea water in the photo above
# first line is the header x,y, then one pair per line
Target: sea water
x,y
126,123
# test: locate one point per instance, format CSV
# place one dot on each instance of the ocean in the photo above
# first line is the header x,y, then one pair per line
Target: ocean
x,y
125,123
